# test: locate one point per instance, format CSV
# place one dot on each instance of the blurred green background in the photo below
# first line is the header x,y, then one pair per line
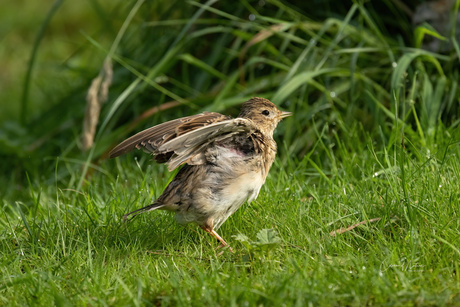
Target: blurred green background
x,y
345,64
63,54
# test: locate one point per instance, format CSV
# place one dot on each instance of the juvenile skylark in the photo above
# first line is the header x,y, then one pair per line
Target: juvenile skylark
x,y
226,161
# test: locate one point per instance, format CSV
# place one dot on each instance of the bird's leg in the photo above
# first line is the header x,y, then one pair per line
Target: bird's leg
x,y
210,230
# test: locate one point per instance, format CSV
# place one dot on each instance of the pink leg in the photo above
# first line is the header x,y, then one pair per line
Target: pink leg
x,y
215,235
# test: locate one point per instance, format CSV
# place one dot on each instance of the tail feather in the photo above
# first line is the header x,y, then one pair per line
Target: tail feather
x,y
142,210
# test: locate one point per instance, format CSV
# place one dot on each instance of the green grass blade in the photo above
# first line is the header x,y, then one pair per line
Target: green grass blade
x,y
41,32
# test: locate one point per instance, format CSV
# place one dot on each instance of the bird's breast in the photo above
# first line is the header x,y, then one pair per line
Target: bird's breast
x,y
241,175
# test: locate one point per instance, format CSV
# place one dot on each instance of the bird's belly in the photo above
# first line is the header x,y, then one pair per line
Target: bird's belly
x,y
241,189
219,196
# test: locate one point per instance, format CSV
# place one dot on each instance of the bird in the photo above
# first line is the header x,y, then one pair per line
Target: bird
x,y
223,162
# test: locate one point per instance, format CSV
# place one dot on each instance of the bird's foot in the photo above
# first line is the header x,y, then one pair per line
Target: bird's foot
x,y
225,247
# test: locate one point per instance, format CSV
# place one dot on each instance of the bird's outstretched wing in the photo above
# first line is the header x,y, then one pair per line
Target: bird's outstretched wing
x,y
152,138
191,147
181,140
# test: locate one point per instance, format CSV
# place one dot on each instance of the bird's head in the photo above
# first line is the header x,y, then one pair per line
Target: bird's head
x,y
263,113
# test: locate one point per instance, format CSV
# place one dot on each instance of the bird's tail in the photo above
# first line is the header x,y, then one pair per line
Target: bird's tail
x,y
142,210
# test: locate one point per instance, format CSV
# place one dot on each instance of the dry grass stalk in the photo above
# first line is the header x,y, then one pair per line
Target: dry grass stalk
x,y
342,230
97,95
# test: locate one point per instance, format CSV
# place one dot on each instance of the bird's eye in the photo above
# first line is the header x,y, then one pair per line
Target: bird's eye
x,y
265,112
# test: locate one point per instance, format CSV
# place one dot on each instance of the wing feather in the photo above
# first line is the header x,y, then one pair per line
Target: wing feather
x,y
190,147
152,138
186,139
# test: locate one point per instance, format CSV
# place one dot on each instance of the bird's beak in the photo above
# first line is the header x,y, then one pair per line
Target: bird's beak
x,y
285,114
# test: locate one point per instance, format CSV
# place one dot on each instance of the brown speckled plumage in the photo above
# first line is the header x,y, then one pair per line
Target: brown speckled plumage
x,y
226,161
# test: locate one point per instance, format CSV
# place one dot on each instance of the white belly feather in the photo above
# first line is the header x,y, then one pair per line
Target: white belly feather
x,y
243,188
235,190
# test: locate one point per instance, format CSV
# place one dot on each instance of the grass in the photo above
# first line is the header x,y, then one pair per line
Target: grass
x,y
72,247
372,151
